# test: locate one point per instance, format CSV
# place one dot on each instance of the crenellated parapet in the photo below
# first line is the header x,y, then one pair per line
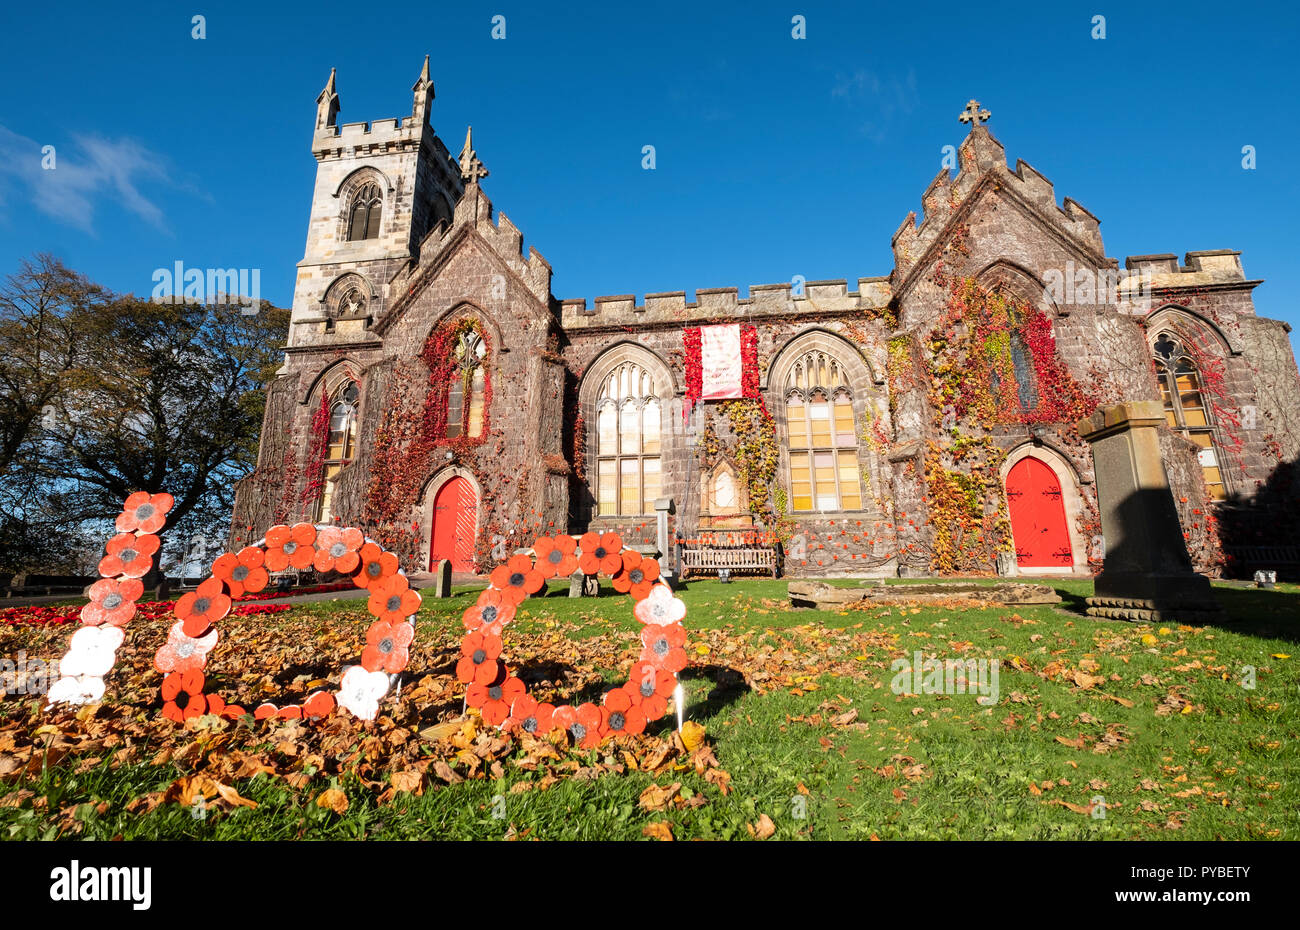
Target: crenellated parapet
x,y
982,163
1199,269
812,298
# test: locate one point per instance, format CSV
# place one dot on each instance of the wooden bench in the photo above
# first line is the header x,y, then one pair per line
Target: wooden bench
x,y
705,558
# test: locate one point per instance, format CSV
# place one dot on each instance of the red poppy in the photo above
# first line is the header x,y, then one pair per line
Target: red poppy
x,y
495,700
664,646
478,659
199,609
112,600
265,711
336,549
319,704
144,512
638,575
233,712
490,614
585,723
622,714
376,565
243,573
600,554
291,712
182,694
529,716
517,579
556,556
287,546
393,599
216,704
129,555
386,646
650,687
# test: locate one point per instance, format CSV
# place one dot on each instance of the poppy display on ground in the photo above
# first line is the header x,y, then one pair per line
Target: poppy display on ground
x,y
503,699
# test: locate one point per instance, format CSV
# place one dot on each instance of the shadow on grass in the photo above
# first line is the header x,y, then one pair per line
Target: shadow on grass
x,y
729,686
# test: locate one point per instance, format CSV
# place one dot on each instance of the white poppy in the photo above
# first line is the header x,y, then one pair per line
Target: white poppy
x,y
360,691
92,651
76,689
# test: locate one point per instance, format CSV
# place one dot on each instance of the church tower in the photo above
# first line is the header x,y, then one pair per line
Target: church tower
x,y
380,188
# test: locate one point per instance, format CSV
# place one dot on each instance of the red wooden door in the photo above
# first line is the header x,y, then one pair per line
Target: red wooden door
x,y
455,515
1038,526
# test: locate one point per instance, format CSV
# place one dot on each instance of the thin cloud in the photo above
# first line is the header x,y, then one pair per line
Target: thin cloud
x,y
94,170
886,99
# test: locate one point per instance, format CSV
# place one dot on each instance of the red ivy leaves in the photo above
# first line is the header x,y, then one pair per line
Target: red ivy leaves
x,y
320,437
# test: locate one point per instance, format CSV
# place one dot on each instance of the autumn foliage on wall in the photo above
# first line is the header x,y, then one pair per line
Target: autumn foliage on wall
x,y
414,426
986,347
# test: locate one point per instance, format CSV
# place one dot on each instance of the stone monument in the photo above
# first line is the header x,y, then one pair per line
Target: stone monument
x,y
1147,575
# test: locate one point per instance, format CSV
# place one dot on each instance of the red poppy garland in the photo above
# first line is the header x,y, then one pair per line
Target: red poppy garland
x,y
93,648
502,698
327,548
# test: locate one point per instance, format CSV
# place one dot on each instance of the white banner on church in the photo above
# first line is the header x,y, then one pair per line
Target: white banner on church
x,y
720,363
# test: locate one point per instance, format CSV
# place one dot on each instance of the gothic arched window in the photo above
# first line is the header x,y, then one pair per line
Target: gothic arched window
x,y
340,445
628,418
467,390
363,218
1185,407
823,441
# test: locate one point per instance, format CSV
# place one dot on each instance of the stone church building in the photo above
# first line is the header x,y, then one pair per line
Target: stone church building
x,y
436,393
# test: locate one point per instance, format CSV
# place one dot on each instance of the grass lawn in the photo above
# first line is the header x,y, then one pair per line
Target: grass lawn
x,y
804,736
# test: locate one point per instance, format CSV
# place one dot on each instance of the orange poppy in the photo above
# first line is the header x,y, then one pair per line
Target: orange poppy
x,y
490,614
637,576
478,659
182,694
393,599
495,700
265,711
336,549
199,609
585,723
292,712
600,554
529,716
517,579
651,687
112,601
376,565
287,546
664,646
622,714
319,704
243,573
556,556
233,712
129,555
216,704
144,512
386,646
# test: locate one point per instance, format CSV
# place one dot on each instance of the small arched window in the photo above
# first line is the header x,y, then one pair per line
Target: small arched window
x,y
340,445
823,441
364,214
628,419
1185,407
467,390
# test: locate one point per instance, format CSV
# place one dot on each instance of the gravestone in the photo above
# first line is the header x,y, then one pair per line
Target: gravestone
x,y
664,507
581,585
442,584
1147,575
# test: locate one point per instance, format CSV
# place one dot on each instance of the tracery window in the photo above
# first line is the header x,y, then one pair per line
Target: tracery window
x,y
628,418
1185,407
341,444
466,390
822,436
364,214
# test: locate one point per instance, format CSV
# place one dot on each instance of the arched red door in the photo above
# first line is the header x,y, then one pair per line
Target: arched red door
x,y
455,517
1038,527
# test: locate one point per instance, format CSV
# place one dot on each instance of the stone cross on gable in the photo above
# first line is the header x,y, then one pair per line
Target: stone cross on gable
x,y
471,169
974,115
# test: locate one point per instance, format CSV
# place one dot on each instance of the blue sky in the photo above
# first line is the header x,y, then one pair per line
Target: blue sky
x,y
775,157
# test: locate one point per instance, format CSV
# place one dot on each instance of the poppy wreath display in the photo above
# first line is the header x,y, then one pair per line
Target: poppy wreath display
x,y
392,601
93,648
502,698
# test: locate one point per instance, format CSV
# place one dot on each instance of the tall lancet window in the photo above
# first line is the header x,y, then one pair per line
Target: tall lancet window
x,y
367,205
823,439
1185,408
628,443
341,445
467,390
